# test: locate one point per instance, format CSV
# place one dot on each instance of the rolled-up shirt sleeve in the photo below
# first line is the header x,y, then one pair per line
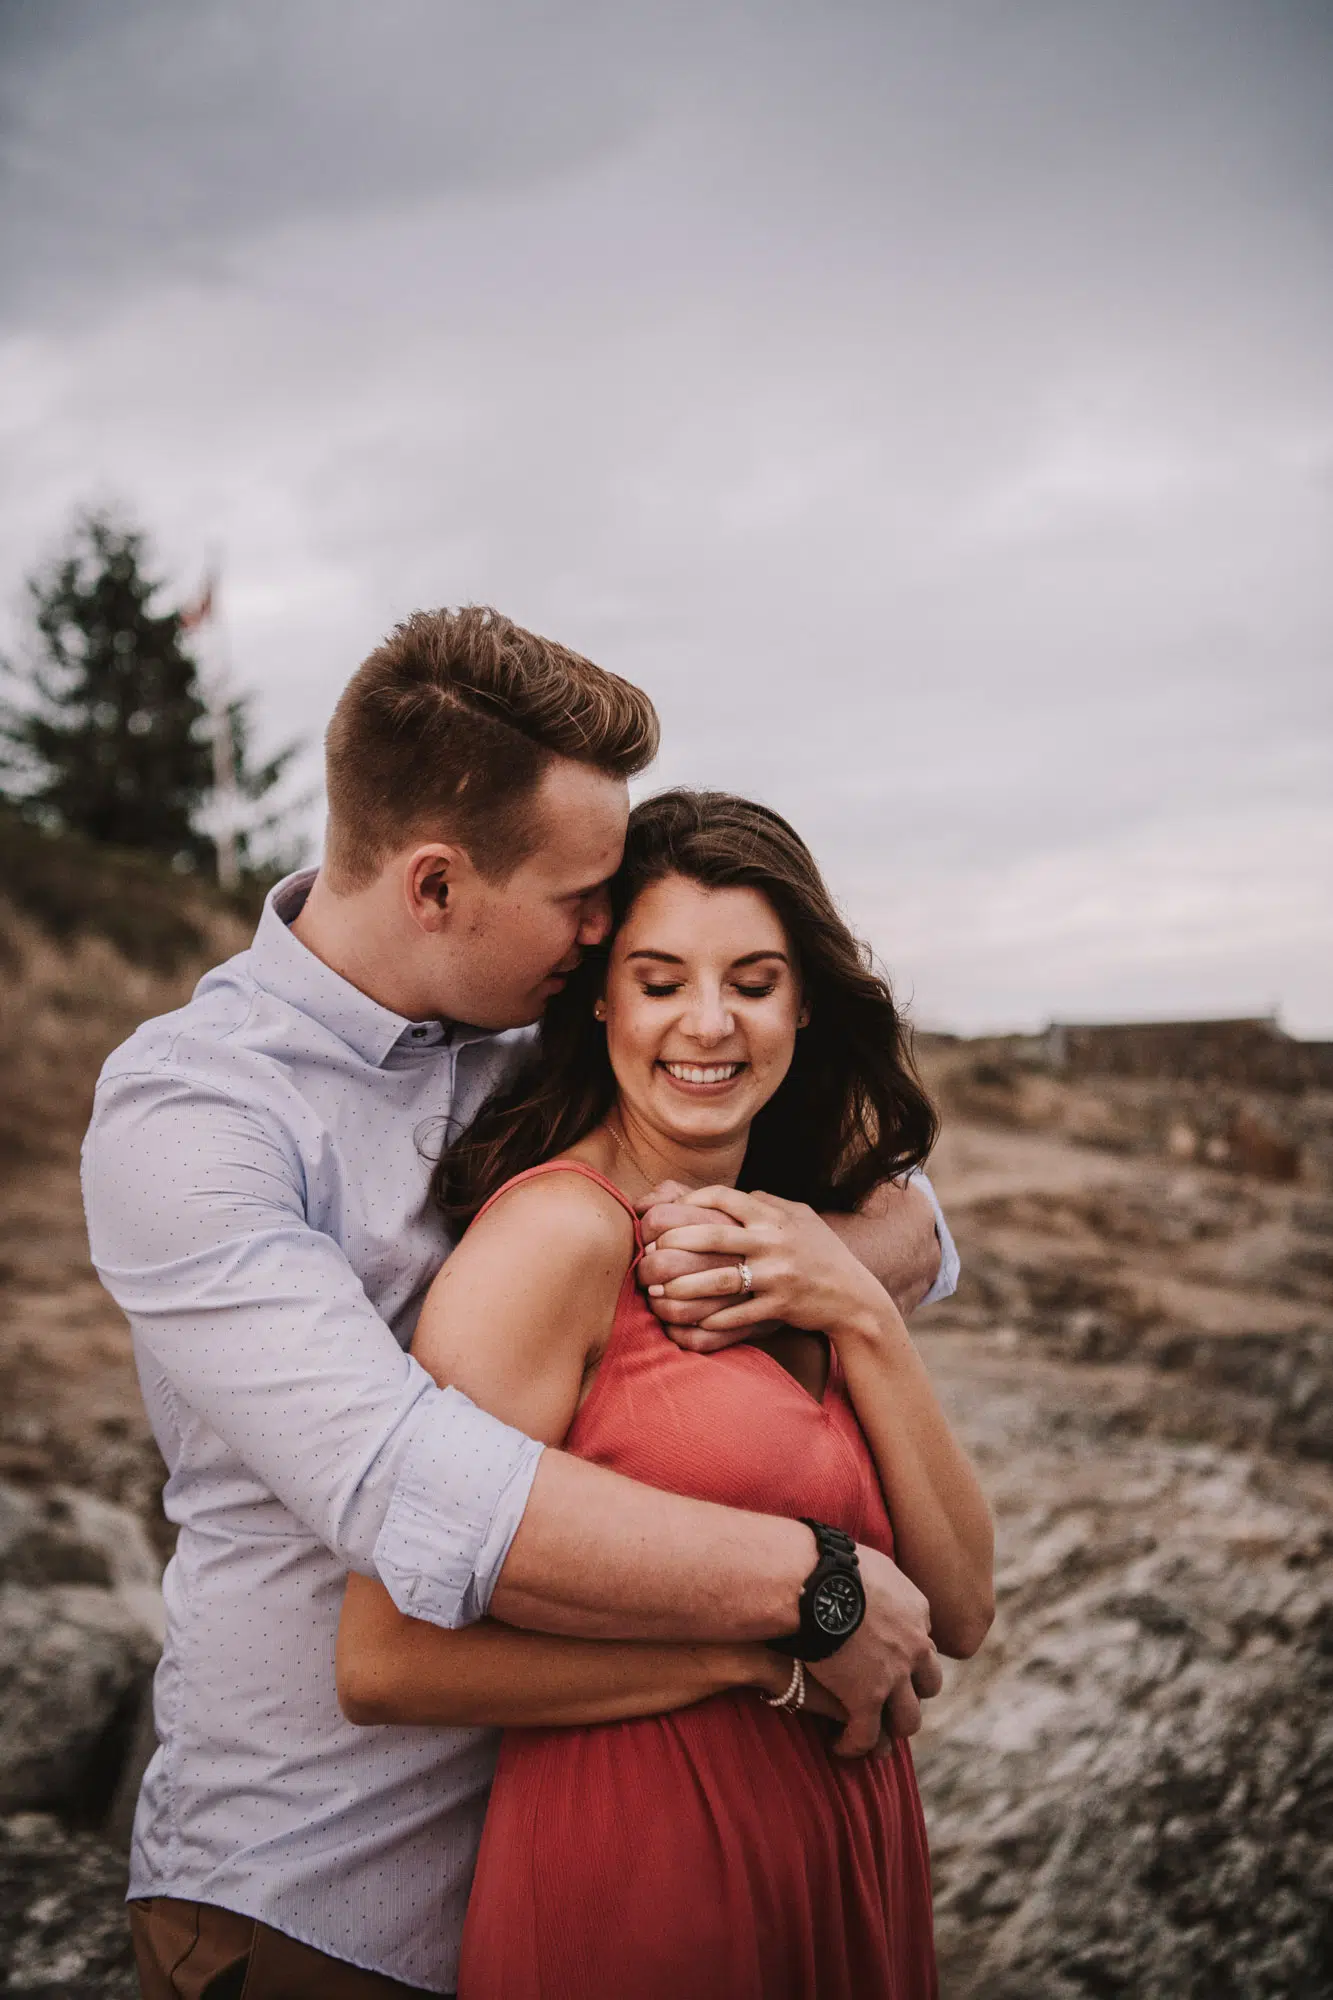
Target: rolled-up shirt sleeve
x,y
259,1328
444,1569
946,1278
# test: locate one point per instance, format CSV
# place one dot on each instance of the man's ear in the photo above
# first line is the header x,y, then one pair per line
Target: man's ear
x,y
429,874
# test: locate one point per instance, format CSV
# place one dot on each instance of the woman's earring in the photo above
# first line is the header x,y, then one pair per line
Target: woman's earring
x,y
599,1010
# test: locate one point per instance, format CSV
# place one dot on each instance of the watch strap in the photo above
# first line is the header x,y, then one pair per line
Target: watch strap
x,y
836,1574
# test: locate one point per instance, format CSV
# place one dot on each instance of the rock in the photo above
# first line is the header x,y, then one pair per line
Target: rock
x,y
73,1659
1129,1790
63,1931
140,1743
1255,1146
61,1534
80,1632
1168,1835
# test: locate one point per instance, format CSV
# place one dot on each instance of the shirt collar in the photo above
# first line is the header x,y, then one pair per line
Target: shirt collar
x,y
286,968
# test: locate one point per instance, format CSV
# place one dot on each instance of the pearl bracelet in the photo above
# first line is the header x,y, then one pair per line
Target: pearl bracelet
x,y
794,1697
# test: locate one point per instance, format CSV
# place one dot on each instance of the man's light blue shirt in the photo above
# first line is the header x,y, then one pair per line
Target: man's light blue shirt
x,y
256,1179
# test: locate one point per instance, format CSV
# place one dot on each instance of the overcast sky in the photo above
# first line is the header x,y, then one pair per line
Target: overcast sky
x,y
930,404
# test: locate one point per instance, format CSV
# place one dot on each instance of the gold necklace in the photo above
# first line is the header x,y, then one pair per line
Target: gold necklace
x,y
628,1156
631,1159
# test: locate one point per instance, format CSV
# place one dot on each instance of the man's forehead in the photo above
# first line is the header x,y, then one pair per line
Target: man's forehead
x,y
580,863
584,813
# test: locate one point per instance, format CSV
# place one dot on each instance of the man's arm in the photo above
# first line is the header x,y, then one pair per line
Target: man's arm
x,y
896,1234
255,1325
261,1330
899,1233
660,1555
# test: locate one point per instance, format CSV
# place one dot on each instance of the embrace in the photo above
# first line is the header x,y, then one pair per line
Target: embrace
x,y
516,1241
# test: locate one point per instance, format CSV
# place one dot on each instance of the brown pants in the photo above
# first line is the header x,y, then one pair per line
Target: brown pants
x,y
195,1951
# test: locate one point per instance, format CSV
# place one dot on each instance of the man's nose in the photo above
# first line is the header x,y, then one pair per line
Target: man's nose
x,y
596,925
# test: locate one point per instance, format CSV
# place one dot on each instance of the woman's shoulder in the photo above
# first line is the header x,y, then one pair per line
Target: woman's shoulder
x,y
526,1304
562,1214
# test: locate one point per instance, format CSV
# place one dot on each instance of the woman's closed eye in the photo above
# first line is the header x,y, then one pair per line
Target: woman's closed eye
x,y
663,991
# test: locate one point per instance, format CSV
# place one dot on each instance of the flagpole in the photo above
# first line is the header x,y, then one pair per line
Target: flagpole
x,y
204,620
224,760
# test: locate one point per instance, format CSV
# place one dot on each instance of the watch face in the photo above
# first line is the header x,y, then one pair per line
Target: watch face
x,y
838,1604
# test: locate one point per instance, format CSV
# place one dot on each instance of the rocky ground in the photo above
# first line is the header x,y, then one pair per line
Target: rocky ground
x,y
62,1914
1128,1789
80,1630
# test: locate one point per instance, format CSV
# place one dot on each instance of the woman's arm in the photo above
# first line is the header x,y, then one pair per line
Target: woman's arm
x,y
397,1669
518,1318
803,1274
942,1533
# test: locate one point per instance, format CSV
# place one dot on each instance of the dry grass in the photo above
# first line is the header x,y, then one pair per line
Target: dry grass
x,y
91,943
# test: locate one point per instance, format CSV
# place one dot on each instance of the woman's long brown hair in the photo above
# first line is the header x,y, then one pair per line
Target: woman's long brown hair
x,y
850,1111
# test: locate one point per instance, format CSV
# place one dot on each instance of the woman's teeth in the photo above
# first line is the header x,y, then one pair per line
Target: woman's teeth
x,y
698,1073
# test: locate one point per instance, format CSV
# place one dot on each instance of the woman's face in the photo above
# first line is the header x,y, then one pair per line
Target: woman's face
x,y
702,1006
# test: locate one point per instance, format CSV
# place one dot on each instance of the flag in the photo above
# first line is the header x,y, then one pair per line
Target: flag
x,y
194,615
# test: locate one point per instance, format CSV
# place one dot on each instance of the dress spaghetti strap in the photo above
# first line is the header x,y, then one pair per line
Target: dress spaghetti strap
x,y
571,1167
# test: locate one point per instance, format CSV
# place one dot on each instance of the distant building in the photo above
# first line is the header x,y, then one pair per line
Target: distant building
x,y
1255,1054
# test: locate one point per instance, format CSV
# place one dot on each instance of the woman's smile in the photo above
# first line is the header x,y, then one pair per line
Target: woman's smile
x,y
702,1079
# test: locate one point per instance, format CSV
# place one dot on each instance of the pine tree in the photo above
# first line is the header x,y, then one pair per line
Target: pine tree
x,y
111,737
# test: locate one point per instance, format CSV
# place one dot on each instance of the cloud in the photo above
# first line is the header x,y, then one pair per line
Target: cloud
x,y
933,410
1180,911
195,129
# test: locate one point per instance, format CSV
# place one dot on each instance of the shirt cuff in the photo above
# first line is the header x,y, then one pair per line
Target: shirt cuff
x,y
462,1485
946,1281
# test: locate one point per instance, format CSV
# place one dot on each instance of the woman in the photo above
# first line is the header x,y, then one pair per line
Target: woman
x,y
654,1824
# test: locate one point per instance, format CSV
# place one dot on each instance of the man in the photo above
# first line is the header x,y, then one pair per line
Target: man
x,y
255,1179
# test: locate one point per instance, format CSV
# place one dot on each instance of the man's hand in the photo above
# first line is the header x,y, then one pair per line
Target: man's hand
x,y
888,1667
669,1207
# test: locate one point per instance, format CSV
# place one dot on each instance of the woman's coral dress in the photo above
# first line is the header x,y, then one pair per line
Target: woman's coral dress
x,y
721,1852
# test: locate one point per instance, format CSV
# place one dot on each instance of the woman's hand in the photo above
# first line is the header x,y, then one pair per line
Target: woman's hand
x,y
772,1676
801,1274
662,1209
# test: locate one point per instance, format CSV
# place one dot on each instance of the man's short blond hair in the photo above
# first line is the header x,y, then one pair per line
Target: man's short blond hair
x,y
446,730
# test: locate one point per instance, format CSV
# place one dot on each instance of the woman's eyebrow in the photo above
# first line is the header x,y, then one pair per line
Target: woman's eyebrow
x,y
670,958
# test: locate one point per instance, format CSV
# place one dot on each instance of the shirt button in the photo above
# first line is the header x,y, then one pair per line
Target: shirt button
x,y
420,1034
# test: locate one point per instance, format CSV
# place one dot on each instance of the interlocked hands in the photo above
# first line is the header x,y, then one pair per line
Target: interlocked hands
x,y
801,1274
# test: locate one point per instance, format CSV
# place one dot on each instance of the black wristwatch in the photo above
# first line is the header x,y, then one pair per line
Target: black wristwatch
x,y
833,1601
